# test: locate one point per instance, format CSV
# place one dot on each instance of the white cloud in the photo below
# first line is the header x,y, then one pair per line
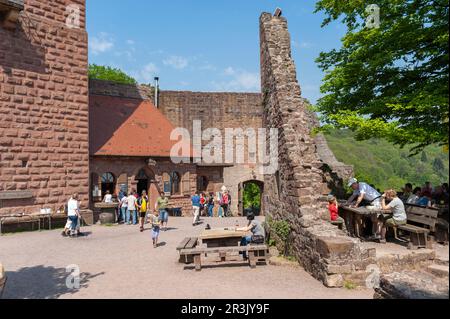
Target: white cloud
x,y
240,81
100,44
176,62
130,42
229,71
302,45
146,74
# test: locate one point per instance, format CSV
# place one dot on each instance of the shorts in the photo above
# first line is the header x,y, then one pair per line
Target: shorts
x,y
392,222
142,214
163,215
155,232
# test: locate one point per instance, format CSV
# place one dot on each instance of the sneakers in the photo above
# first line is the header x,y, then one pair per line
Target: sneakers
x,y
382,241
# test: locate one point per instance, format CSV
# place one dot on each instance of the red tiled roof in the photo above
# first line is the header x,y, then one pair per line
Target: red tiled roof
x,y
128,127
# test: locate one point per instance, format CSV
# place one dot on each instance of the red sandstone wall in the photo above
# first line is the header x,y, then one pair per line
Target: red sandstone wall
x,y
44,107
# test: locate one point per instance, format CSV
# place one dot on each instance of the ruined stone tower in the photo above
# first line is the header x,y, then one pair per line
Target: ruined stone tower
x,y
296,193
43,104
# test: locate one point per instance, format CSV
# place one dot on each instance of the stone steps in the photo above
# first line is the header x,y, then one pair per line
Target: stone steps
x,y
440,271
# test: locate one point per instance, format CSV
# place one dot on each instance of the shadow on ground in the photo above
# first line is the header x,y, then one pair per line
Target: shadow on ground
x,y
42,282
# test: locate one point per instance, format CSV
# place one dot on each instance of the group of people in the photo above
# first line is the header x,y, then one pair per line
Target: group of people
x,y
135,209
426,195
394,205
203,205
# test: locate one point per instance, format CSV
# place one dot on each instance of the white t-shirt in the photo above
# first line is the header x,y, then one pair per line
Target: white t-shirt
x,y
72,207
124,202
131,202
370,194
398,209
108,198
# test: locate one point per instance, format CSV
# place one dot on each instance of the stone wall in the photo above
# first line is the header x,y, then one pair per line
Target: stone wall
x,y
296,192
43,107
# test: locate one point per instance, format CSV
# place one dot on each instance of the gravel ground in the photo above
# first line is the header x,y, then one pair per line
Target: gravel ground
x,y
120,262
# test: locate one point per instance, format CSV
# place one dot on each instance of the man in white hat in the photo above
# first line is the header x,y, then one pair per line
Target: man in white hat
x,y
363,191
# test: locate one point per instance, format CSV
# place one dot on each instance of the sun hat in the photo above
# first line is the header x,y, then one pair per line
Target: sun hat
x,y
352,181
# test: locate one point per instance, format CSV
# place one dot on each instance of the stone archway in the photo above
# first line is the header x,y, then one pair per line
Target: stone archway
x,y
145,180
253,188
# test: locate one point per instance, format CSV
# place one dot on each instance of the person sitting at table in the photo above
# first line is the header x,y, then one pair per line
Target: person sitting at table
x,y
397,208
407,191
258,233
415,196
425,199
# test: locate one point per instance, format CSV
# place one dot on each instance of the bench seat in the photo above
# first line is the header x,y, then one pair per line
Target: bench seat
x,y
256,253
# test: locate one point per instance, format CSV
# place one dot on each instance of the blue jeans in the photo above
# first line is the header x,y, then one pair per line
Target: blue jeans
x,y
163,215
133,214
74,220
210,210
244,242
123,214
220,211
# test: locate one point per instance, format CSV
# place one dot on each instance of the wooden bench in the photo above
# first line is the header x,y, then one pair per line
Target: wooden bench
x,y
256,253
421,221
187,243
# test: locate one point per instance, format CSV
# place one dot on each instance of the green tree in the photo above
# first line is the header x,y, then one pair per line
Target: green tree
x,y
389,81
438,165
252,196
424,157
107,73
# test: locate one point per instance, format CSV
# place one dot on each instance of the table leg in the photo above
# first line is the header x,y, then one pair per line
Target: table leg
x,y
357,230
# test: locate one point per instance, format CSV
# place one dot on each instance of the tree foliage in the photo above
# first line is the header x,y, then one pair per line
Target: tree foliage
x,y
390,81
252,196
107,73
378,162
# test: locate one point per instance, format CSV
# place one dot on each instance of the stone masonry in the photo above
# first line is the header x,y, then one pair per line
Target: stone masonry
x,y
43,108
296,193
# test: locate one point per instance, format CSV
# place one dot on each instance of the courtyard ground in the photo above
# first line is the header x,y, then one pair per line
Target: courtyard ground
x,y
120,262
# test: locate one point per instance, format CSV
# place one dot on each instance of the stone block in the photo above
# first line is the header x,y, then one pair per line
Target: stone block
x,y
333,246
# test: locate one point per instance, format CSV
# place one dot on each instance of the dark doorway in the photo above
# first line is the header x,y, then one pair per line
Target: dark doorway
x,y
142,181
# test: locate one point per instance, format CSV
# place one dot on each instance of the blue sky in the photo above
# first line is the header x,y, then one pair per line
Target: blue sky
x,y
203,45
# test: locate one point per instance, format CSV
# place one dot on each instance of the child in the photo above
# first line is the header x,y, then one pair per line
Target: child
x,y
156,226
333,208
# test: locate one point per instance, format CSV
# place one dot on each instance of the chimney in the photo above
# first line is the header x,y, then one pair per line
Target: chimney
x,y
278,13
156,91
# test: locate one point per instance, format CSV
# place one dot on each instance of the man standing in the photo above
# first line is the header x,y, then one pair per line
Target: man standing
x,y
196,207
73,212
142,206
161,206
132,204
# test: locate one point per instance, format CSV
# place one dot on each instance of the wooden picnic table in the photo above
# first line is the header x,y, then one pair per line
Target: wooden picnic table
x,y
221,237
220,241
354,217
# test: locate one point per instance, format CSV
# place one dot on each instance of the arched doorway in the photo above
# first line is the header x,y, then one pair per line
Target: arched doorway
x,y
143,180
250,197
146,181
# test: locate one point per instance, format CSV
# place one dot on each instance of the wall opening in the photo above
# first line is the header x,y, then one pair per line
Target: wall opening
x,y
250,197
